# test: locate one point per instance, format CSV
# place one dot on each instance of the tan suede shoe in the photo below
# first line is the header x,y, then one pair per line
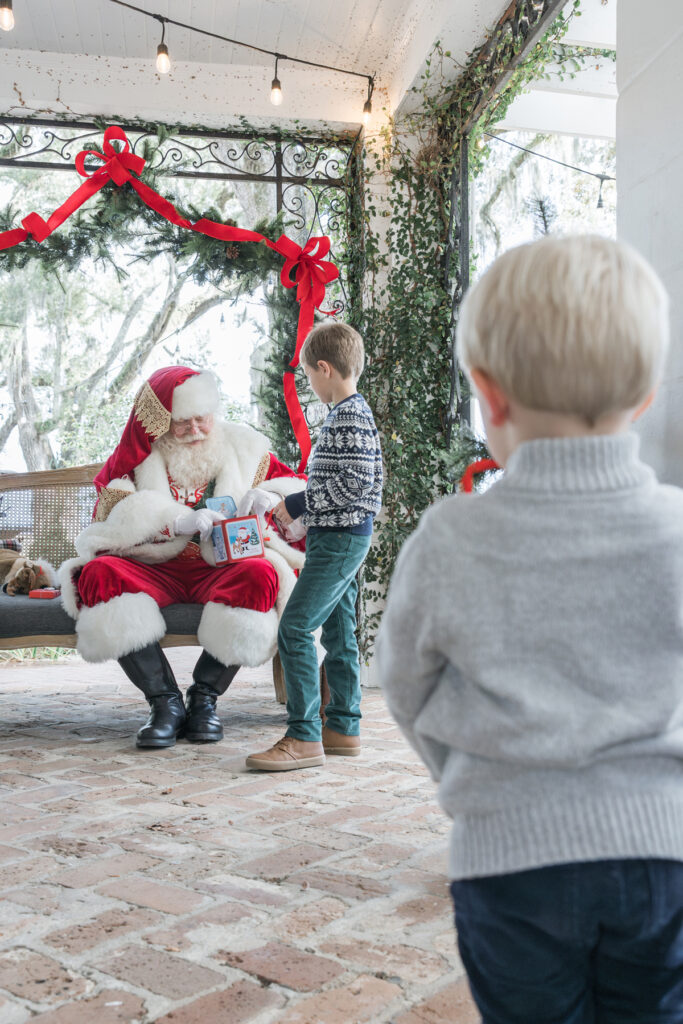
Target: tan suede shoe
x,y
338,743
288,754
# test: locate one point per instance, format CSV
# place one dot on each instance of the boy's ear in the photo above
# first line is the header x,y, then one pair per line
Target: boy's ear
x,y
644,405
496,402
324,367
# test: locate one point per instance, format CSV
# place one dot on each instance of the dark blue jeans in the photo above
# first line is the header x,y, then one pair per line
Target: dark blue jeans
x,y
588,943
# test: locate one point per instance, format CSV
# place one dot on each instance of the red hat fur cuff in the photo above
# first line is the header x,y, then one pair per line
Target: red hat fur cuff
x,y
197,396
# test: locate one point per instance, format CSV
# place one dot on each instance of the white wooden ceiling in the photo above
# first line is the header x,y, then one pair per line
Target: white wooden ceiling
x,y
385,38
86,57
359,34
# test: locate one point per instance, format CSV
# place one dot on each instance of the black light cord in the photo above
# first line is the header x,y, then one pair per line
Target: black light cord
x,y
542,156
249,46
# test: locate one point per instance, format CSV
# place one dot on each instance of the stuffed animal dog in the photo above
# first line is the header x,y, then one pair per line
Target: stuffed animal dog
x,y
18,574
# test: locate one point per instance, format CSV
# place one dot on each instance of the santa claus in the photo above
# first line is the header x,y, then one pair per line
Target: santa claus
x,y
149,546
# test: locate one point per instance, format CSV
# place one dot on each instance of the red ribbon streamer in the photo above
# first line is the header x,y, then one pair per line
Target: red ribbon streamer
x,y
312,272
474,468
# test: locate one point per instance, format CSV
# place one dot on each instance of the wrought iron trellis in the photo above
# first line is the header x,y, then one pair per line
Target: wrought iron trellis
x,y
309,173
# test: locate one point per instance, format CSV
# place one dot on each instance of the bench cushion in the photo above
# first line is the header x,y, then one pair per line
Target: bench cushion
x,y
26,616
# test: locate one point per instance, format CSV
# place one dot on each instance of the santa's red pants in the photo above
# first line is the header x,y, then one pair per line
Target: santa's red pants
x,y
252,583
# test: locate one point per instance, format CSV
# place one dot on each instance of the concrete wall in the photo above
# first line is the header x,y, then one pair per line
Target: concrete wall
x,y
650,191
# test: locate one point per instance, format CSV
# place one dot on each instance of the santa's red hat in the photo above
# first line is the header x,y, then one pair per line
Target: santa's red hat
x,y
174,392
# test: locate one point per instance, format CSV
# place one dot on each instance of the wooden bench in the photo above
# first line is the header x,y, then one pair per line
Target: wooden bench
x,y
46,511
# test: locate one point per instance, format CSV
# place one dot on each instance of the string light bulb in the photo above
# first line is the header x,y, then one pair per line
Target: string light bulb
x,y
367,106
6,15
276,88
600,200
163,59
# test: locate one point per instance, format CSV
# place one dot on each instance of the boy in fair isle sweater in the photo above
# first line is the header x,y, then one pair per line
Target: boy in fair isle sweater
x,y
342,497
532,650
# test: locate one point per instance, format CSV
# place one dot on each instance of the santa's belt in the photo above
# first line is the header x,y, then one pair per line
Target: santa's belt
x,y
190,552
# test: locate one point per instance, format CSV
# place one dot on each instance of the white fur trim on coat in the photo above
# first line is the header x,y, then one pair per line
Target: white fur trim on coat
x,y
284,485
292,556
66,575
151,474
197,396
131,527
243,449
238,636
121,483
117,627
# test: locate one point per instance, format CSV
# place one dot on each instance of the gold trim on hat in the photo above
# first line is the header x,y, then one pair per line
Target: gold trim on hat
x,y
151,413
261,470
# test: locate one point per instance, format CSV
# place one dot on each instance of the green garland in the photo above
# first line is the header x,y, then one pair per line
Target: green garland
x,y
109,219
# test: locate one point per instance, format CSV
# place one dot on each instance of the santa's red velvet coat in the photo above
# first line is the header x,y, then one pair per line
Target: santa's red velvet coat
x,y
139,517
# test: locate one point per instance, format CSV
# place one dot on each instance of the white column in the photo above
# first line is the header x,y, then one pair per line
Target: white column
x,y
379,196
650,191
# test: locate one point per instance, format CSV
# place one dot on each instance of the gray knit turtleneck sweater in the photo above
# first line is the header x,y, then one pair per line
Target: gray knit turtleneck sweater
x,y
532,652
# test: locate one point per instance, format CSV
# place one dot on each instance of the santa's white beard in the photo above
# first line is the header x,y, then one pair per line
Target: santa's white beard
x,y
190,465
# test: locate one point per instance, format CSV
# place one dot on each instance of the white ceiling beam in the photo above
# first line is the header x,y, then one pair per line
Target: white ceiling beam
x,y
596,26
565,113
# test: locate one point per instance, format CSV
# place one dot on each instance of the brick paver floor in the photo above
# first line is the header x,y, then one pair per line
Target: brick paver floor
x,y
176,886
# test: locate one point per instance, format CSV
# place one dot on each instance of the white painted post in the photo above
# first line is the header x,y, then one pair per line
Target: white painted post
x,y
650,199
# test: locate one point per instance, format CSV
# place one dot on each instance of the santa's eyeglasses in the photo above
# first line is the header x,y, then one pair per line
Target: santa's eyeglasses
x,y
190,425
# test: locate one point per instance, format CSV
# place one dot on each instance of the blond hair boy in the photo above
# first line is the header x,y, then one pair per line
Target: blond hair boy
x,y
532,650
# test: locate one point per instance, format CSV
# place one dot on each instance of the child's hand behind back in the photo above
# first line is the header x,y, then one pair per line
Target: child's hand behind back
x,y
281,514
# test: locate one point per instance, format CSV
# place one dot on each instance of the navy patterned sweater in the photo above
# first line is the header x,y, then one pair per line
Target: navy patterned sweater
x,y
344,489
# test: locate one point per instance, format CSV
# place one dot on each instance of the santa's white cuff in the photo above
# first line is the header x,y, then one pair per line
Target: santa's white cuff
x,y
117,627
238,636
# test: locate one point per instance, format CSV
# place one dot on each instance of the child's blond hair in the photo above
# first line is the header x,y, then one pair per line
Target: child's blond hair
x,y
575,325
337,344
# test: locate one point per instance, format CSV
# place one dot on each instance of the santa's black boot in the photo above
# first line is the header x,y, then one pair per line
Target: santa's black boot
x,y
152,674
211,679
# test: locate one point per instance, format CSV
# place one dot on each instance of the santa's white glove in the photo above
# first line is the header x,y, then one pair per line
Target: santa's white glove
x,y
257,501
201,521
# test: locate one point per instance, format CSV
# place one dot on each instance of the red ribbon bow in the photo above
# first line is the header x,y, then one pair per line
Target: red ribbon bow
x,y
118,163
117,166
311,271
